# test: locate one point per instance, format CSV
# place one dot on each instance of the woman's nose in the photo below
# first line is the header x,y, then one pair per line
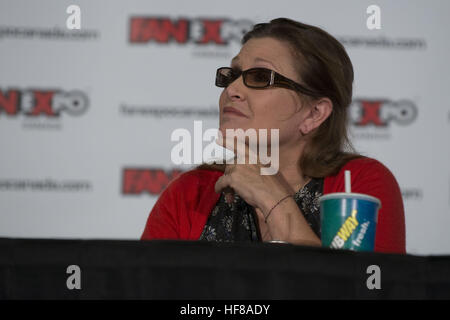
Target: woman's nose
x,y
235,90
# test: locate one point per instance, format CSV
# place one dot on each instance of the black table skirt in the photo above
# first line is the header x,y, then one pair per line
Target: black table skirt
x,y
118,269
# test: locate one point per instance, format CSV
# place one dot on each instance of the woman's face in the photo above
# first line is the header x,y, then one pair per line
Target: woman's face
x,y
270,108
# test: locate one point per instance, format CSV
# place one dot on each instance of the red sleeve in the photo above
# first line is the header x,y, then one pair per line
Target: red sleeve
x,y
184,206
371,177
163,221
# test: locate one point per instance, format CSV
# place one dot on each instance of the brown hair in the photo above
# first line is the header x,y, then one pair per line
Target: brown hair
x,y
324,67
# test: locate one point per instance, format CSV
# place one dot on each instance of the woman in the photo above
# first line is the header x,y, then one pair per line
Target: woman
x,y
296,78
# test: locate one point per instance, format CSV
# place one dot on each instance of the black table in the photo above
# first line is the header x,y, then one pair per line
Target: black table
x,y
118,269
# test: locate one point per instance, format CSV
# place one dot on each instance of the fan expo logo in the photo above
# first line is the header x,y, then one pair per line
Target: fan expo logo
x,y
217,32
153,181
39,104
371,118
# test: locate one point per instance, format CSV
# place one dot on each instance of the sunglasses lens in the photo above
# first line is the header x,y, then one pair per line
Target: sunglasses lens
x,y
224,77
258,78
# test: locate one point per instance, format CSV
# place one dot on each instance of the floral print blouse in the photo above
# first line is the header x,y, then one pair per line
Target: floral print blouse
x,y
236,221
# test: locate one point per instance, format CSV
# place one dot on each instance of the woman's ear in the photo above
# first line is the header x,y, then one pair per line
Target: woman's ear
x,y
318,112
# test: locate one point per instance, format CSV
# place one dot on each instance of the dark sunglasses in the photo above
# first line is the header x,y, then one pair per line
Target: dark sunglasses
x,y
259,78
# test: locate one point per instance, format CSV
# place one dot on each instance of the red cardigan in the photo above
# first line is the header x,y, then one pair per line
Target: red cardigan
x,y
183,208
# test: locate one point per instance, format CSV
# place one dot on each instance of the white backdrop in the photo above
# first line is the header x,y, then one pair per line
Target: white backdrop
x,y
95,170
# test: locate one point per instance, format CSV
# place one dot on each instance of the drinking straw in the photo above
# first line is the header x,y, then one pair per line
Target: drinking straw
x,y
348,184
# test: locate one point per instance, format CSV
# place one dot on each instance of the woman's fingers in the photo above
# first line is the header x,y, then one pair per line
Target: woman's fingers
x,y
245,149
222,183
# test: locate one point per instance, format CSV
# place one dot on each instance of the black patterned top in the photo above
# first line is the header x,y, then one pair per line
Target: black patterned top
x,y
236,221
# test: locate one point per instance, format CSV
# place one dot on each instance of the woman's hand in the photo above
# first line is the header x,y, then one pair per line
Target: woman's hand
x,y
259,191
263,192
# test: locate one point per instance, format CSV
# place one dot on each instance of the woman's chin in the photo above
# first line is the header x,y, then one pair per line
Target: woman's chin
x,y
232,124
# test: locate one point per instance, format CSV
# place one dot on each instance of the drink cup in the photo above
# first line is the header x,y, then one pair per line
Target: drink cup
x,y
349,220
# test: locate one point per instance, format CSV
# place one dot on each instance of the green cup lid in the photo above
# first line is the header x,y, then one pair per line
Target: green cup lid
x,y
347,195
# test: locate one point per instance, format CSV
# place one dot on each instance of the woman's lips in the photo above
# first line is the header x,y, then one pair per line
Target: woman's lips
x,y
231,110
